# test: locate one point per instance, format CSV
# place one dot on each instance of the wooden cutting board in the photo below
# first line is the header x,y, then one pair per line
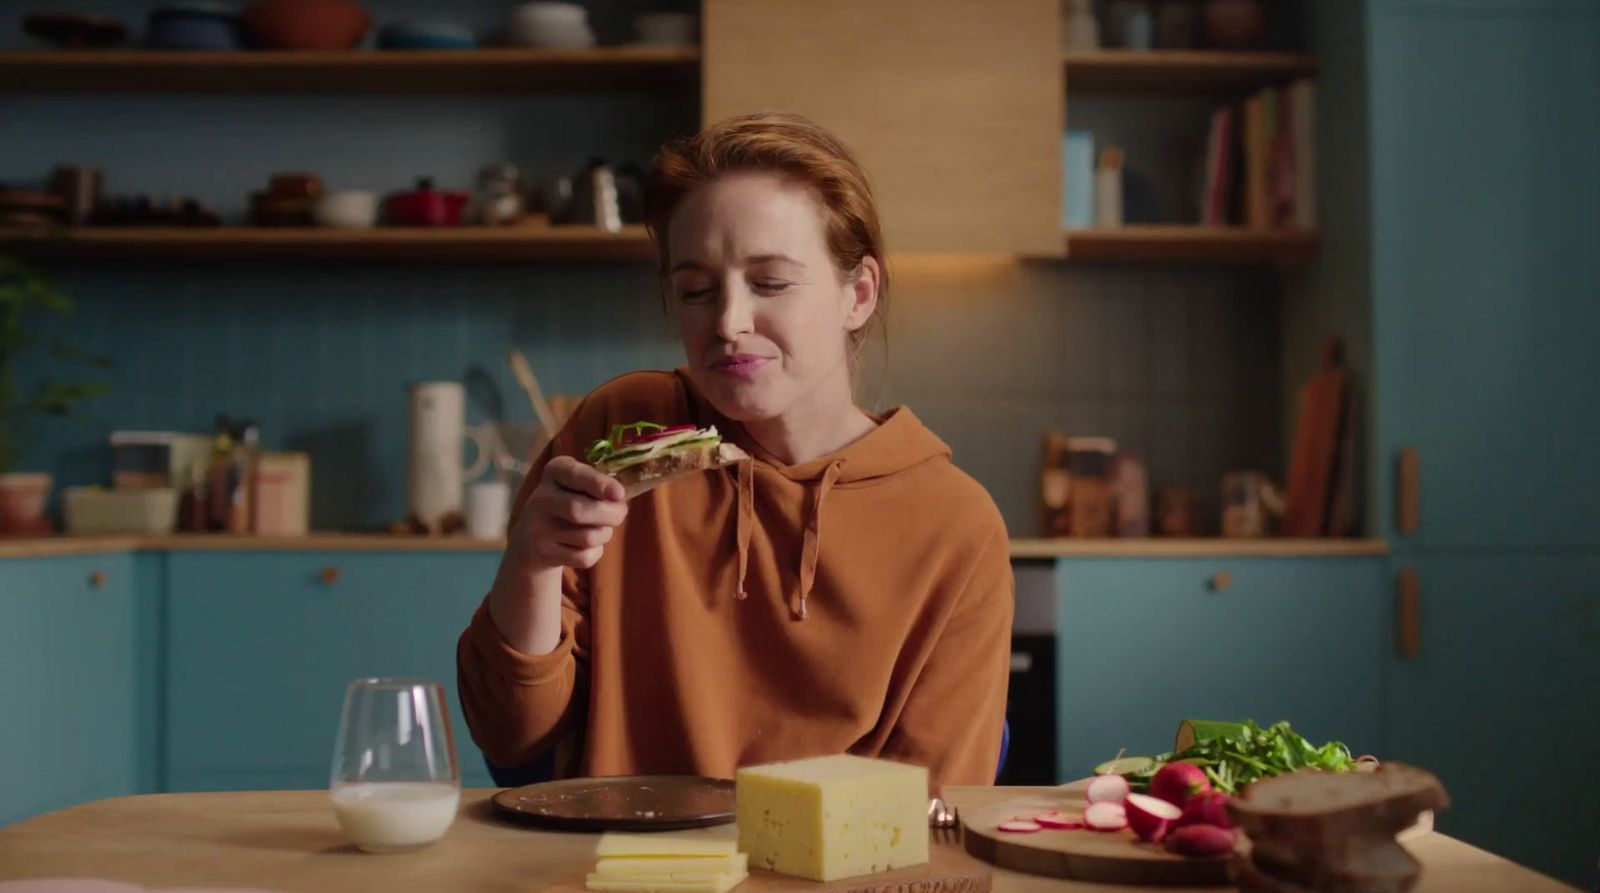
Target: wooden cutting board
x,y
949,870
1103,857
1314,456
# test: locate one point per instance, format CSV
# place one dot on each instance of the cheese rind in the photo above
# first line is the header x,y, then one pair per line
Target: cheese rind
x,y
720,884
640,845
833,817
683,868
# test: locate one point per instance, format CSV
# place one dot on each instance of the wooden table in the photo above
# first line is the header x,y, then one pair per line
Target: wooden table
x,y
287,840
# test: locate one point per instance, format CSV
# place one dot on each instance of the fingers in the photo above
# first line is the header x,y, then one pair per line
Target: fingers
x,y
557,555
581,536
570,474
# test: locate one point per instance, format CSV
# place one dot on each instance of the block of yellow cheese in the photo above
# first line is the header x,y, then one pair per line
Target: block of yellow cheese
x,y
672,868
833,817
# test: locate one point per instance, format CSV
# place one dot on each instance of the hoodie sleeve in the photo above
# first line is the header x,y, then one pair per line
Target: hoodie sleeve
x,y
517,705
953,717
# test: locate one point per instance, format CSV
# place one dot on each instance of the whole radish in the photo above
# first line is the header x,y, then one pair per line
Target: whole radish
x,y
1201,840
1177,782
1207,808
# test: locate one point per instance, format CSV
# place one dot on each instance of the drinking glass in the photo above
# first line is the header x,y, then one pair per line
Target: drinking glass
x,y
395,782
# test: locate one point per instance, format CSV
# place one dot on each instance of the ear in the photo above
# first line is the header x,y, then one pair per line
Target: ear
x,y
863,293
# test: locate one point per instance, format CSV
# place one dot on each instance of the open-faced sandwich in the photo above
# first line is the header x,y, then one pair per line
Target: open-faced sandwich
x,y
645,455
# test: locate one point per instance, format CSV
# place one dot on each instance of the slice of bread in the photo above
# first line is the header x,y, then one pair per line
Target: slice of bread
x,y
1311,806
674,464
1382,867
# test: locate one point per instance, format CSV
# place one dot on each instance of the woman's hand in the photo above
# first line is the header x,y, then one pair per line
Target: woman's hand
x,y
569,518
572,514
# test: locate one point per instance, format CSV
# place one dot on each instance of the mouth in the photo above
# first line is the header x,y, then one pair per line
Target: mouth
x,y
740,365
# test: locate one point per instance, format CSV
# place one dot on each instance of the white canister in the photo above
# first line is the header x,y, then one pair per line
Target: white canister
x,y
438,425
488,509
1108,196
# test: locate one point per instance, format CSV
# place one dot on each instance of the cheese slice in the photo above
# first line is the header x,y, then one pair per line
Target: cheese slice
x,y
643,845
673,868
719,884
833,817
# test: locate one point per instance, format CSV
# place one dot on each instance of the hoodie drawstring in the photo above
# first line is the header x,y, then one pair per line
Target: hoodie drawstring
x,y
746,513
813,537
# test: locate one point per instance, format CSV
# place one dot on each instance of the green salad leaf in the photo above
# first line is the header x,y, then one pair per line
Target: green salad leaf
x,y
620,435
1249,753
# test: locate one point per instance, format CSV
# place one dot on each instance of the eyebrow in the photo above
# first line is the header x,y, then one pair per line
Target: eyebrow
x,y
752,259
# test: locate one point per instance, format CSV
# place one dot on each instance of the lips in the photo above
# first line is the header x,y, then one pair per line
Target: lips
x,y
740,365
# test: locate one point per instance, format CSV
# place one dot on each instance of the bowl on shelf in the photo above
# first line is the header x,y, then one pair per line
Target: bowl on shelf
x,y
667,29
193,26
306,24
75,31
347,209
287,201
426,35
550,25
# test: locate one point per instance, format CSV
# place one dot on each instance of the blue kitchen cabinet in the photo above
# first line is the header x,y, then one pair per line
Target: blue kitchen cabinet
x,y
71,696
1486,221
1501,702
1486,304
1145,643
261,646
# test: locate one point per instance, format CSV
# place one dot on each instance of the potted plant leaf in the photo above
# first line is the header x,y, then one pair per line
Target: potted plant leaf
x,y
25,295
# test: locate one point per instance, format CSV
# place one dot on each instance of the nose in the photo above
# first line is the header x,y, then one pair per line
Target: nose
x,y
736,315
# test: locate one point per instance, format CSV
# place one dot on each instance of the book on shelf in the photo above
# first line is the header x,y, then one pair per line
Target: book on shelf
x,y
1258,166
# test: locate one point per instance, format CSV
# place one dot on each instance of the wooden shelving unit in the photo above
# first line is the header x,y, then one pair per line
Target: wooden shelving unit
x,y
1168,71
1193,244
354,71
396,244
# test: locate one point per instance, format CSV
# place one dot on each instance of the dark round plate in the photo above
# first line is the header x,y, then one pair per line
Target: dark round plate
x,y
636,803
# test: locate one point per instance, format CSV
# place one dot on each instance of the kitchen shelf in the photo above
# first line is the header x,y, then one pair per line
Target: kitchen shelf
x,y
1213,547
1221,245
1169,71
515,70
400,244
1025,549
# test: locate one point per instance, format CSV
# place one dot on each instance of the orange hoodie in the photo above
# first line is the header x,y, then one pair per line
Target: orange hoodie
x,y
859,603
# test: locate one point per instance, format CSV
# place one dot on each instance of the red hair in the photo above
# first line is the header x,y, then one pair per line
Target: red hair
x,y
792,147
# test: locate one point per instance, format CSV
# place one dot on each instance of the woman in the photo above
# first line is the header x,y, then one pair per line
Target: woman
x,y
847,589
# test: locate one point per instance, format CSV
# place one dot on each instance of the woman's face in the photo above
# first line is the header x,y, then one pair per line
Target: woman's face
x,y
763,310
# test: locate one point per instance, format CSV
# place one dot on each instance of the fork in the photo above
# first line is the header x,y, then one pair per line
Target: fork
x,y
944,823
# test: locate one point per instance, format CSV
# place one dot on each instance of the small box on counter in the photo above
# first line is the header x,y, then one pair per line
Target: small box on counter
x,y
281,501
143,460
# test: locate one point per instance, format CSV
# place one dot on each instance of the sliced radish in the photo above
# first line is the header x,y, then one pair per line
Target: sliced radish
x,y
1108,789
1150,817
1059,821
1020,826
1201,840
1105,817
664,432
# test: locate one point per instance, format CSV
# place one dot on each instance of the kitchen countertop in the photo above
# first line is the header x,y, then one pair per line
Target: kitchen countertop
x,y
288,840
1021,549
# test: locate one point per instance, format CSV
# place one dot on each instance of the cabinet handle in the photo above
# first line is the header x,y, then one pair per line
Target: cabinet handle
x,y
1408,501
328,575
1408,614
1219,581
97,579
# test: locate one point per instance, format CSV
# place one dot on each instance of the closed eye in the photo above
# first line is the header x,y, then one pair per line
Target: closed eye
x,y
772,286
